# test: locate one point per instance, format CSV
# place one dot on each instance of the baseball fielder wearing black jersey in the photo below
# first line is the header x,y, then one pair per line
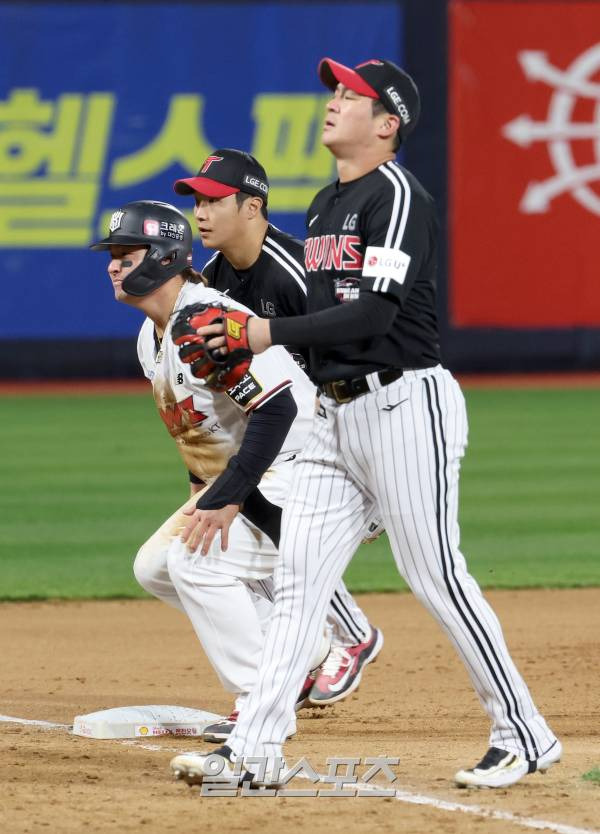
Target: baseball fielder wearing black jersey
x,y
275,285
389,435
374,235
262,267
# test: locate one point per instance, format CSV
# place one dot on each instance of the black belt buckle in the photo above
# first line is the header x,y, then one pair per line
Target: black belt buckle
x,y
337,389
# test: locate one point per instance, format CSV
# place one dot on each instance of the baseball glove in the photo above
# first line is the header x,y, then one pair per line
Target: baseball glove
x,y
219,371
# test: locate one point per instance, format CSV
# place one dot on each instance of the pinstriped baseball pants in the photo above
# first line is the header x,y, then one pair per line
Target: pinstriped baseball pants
x,y
397,449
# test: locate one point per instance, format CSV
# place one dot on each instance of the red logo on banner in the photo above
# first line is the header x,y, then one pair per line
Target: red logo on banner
x,y
524,164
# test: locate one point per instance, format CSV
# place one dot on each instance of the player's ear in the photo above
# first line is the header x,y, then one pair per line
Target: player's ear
x,y
387,125
253,207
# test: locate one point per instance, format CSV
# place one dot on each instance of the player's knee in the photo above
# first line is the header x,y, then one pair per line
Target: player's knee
x,y
292,553
176,559
439,586
149,570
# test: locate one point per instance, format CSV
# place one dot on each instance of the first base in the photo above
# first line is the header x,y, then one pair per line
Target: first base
x,y
143,722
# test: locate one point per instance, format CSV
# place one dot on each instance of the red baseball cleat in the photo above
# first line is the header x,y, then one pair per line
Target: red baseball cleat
x,y
302,701
341,672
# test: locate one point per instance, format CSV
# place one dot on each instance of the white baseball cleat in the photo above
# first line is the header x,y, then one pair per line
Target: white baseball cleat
x,y
500,768
218,766
194,768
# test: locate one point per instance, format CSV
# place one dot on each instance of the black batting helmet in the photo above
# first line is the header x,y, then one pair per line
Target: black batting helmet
x,y
160,227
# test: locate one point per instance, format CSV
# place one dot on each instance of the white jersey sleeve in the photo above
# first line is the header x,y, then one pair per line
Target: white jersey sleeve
x,y
145,343
269,373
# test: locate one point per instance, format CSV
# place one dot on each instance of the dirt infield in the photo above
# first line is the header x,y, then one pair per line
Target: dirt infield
x,y
62,659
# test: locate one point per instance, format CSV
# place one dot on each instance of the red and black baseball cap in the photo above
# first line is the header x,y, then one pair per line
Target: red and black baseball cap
x,y
227,171
378,79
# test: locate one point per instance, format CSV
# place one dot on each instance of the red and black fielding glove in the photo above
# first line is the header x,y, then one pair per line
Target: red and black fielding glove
x,y
219,371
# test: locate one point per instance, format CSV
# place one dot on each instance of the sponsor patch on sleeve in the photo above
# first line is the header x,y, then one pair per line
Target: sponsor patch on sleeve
x,y
386,263
247,390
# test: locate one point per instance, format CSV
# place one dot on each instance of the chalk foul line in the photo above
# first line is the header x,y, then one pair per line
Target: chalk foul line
x,y
402,795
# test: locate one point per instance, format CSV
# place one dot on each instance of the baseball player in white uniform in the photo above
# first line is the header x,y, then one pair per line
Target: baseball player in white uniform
x,y
222,582
390,434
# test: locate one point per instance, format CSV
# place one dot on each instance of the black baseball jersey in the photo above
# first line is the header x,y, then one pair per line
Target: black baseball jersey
x,y
377,234
274,285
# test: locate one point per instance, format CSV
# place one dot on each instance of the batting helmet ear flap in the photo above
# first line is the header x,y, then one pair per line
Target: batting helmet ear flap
x,y
152,273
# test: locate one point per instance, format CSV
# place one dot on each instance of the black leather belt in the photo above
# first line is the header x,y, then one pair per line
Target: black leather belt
x,y
344,390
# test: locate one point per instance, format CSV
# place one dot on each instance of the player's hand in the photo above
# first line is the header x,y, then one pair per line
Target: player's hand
x,y
259,335
204,525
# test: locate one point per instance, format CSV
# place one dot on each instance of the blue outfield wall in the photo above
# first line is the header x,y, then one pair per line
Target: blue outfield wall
x,y
106,102
102,103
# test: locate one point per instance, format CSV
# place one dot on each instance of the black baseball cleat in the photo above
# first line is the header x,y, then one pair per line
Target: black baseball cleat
x,y
220,730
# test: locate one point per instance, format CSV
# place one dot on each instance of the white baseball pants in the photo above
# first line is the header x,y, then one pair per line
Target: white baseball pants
x,y
228,608
396,449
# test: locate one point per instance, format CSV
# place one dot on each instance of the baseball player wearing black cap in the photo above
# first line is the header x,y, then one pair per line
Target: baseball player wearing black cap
x,y
255,263
390,433
262,267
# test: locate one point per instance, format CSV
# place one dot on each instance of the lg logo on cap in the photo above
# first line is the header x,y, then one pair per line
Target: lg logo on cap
x,y
399,104
255,183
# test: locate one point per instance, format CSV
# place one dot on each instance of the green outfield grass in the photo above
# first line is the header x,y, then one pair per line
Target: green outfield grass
x,y
87,478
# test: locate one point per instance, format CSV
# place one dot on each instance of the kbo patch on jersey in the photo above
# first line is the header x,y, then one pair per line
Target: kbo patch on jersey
x,y
386,263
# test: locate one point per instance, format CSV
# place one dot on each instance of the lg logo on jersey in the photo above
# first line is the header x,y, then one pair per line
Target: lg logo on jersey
x,y
381,262
349,224
267,308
